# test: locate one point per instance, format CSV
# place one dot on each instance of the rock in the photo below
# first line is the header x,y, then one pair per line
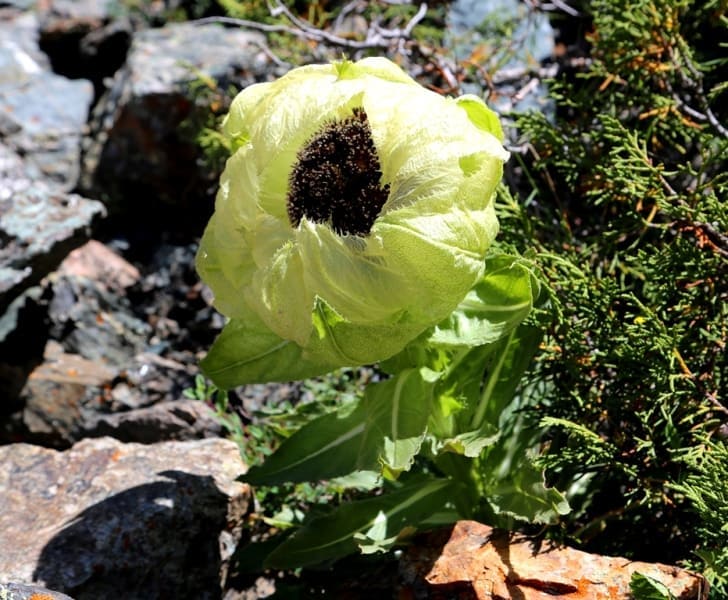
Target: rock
x,y
20,54
61,395
106,518
86,39
23,335
39,226
20,591
174,300
473,26
42,115
137,156
44,119
68,398
81,14
89,319
11,166
100,263
471,560
97,368
178,420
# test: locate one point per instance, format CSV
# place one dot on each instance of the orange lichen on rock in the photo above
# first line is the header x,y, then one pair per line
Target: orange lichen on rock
x,y
475,561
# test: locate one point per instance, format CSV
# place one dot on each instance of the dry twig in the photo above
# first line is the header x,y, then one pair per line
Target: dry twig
x,y
377,37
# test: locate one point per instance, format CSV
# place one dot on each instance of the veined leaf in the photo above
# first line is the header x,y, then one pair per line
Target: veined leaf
x,y
483,380
470,443
385,429
504,369
648,588
405,408
498,303
329,446
509,481
523,494
246,351
384,517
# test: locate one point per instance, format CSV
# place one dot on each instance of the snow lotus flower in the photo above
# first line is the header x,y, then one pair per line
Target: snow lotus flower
x,y
354,213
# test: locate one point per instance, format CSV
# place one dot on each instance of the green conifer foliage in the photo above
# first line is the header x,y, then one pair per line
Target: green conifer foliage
x,y
629,214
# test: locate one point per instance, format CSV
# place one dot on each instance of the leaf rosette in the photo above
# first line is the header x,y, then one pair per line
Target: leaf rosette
x,y
354,213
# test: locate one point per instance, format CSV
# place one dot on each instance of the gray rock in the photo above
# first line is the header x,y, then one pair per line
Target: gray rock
x,y
82,11
61,395
473,29
86,39
136,157
108,520
72,306
93,321
177,420
42,115
39,226
97,368
20,54
44,119
68,397
23,337
18,4
21,591
11,165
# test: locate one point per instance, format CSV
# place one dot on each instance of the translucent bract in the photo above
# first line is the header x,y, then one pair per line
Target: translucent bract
x,y
305,299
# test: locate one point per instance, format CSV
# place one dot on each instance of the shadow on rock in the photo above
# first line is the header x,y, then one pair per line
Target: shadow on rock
x,y
158,540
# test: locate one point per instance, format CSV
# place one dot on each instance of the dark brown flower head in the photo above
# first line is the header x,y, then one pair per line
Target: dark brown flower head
x,y
336,178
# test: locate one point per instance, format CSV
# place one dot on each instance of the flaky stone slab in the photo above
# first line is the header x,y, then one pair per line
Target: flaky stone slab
x,y
474,561
106,519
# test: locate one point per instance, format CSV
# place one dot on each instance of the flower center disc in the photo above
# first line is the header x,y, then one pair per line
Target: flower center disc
x,y
336,179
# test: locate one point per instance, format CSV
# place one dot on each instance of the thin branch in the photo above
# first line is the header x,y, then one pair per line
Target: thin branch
x,y
526,90
695,83
265,27
263,47
558,5
376,37
419,15
349,7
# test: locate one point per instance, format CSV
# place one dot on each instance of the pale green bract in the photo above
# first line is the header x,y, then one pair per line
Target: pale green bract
x,y
303,300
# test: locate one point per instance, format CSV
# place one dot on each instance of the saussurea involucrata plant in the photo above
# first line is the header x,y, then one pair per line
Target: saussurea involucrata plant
x,y
354,224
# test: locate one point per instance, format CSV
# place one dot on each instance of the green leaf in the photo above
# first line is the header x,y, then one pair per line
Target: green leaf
x,y
384,430
331,445
498,303
470,443
505,368
248,352
381,518
358,480
647,588
508,479
375,539
404,405
521,492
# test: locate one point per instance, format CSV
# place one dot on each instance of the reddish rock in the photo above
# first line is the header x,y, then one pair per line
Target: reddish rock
x,y
100,263
474,561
